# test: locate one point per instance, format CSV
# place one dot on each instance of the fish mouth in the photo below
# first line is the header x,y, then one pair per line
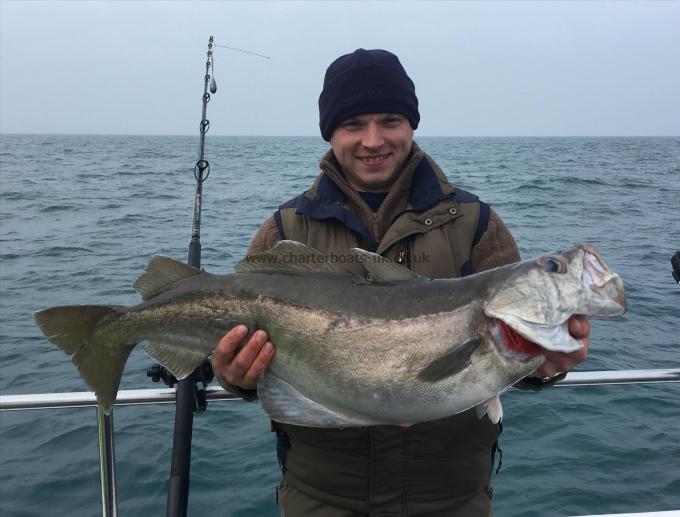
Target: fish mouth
x,y
511,343
597,277
606,298
579,282
555,338
522,340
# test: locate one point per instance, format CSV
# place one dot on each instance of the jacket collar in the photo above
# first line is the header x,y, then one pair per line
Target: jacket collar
x,y
429,186
331,196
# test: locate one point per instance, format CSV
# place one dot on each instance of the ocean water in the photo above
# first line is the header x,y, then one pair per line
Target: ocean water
x,y
80,216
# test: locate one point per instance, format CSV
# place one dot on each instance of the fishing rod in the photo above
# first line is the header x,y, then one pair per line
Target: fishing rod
x,y
190,392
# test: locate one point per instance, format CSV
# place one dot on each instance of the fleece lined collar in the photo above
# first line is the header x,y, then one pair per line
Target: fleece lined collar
x,y
332,197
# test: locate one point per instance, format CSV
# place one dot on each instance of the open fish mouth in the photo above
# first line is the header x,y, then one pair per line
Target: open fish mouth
x,y
537,307
522,346
555,338
510,343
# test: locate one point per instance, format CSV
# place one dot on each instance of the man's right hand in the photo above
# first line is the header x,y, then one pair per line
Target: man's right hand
x,y
242,366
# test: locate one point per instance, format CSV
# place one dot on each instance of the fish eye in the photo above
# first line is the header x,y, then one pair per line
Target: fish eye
x,y
553,265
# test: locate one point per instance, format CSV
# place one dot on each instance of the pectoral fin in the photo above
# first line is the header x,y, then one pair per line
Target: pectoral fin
x,y
451,363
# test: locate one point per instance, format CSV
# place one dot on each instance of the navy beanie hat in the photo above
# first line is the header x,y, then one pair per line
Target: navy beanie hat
x,y
366,81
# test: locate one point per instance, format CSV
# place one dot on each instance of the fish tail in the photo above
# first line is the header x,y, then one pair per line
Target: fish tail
x,y
99,357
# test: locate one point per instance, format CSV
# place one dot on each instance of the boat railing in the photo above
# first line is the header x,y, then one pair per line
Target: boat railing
x,y
214,393
167,395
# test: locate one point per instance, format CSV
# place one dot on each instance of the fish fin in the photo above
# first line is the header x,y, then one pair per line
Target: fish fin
x,y
491,407
72,328
382,269
290,256
284,403
450,363
179,360
161,274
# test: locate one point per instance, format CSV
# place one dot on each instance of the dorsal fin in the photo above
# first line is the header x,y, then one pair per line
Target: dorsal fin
x,y
161,274
291,256
382,269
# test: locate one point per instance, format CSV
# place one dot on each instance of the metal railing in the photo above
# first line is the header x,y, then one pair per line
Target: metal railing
x,y
167,396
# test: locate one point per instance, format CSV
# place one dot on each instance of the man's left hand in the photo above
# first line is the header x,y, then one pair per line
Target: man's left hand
x,y
557,362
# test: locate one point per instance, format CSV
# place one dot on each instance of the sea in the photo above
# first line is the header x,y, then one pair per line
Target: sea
x,y
80,217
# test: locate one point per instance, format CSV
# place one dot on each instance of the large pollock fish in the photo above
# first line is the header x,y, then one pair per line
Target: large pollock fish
x,y
396,349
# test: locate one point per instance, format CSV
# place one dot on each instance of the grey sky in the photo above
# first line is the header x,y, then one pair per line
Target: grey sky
x,y
482,68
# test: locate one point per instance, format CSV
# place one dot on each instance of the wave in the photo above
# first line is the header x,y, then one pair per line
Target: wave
x,y
13,195
584,181
126,219
57,251
59,208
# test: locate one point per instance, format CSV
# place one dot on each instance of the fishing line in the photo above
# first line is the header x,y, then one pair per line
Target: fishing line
x,y
213,83
241,50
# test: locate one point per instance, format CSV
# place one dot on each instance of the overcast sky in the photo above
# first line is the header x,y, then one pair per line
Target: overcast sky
x,y
480,68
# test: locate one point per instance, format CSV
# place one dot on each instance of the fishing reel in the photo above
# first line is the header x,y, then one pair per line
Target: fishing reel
x,y
202,376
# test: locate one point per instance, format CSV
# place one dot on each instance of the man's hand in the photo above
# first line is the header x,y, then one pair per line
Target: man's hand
x,y
242,366
557,362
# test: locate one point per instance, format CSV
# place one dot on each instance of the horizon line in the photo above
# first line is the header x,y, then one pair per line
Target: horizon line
x,y
319,136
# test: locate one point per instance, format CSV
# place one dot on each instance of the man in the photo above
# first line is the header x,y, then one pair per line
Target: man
x,y
379,191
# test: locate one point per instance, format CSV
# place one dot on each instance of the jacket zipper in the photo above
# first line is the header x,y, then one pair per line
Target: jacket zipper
x,y
404,253
374,222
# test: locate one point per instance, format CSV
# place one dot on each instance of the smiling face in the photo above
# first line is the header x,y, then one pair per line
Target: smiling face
x,y
372,149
